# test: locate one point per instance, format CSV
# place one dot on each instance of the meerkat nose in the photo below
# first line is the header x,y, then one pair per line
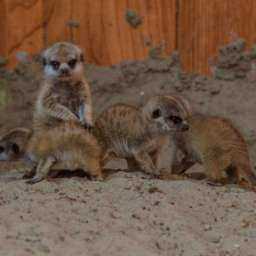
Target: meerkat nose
x,y
64,71
184,126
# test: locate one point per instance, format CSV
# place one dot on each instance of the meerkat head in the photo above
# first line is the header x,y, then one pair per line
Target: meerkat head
x,y
9,143
64,62
168,113
9,151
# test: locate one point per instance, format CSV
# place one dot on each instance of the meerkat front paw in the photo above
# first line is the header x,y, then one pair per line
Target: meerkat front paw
x,y
35,180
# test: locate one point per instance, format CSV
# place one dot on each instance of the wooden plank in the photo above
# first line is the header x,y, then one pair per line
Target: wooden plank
x,y
3,22
205,25
108,38
24,27
57,16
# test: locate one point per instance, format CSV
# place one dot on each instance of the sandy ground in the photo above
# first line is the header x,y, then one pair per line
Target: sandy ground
x,y
129,213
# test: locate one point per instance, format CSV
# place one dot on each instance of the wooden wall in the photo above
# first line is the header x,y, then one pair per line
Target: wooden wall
x,y
197,28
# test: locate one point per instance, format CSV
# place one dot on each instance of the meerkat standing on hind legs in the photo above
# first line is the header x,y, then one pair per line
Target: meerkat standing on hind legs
x,y
65,94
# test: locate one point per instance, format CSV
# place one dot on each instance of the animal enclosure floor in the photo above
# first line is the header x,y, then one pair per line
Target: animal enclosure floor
x,y
130,214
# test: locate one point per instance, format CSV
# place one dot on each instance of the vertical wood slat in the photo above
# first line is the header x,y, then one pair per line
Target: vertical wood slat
x,y
109,39
204,26
23,24
3,40
57,14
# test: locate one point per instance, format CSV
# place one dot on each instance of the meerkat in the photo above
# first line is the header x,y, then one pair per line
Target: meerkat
x,y
64,94
219,146
140,135
67,146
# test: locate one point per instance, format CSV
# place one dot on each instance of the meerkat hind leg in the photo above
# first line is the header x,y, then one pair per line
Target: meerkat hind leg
x,y
216,175
94,169
42,169
145,162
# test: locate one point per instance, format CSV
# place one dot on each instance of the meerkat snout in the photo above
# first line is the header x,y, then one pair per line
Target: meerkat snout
x,y
169,120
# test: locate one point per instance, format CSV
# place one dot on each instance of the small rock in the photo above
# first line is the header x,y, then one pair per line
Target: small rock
x,y
133,18
22,57
214,239
207,227
3,61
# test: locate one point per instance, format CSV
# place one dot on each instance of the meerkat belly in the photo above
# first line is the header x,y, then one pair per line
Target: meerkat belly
x,y
69,159
122,147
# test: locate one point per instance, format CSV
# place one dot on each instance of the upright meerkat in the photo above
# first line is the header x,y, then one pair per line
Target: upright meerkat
x,y
219,146
64,94
140,135
67,146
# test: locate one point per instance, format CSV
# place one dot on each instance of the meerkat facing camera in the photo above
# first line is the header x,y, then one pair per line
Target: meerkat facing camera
x,y
65,94
140,135
219,146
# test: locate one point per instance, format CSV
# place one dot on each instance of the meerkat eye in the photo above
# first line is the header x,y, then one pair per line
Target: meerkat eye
x,y
175,119
72,63
156,113
55,64
15,148
1,149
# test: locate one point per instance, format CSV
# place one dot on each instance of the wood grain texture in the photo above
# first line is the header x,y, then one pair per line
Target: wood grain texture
x,y
108,38
3,29
197,28
204,26
24,25
57,15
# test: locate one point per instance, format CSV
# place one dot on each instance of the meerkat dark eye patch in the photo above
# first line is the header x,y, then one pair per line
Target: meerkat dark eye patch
x,y
175,119
55,64
2,149
72,63
44,61
15,148
156,113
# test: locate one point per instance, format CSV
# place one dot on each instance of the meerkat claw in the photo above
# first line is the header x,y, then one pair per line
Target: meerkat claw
x,y
34,180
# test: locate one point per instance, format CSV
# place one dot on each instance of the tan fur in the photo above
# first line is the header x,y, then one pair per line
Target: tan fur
x,y
220,147
63,98
131,133
67,146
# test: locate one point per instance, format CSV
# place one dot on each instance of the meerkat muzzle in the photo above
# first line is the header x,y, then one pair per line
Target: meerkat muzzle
x,y
184,126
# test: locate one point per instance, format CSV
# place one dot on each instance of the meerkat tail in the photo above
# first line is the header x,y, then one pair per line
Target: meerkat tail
x,y
245,172
251,177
